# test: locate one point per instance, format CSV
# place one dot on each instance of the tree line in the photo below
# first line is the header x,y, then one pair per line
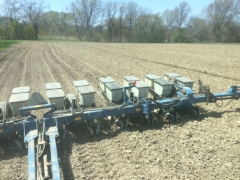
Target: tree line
x,y
111,21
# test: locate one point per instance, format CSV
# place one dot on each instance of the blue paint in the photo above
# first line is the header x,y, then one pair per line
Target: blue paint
x,y
54,158
51,130
178,102
31,160
30,127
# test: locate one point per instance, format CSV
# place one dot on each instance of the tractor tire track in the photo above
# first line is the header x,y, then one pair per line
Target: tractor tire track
x,y
167,64
86,64
46,67
88,69
60,71
39,73
10,50
90,65
53,71
7,59
11,76
67,72
39,69
80,73
26,70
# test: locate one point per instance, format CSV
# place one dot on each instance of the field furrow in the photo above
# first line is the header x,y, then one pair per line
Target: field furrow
x,y
13,73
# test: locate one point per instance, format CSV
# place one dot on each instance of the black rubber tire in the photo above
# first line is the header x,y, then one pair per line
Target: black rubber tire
x,y
97,129
90,130
169,118
119,124
193,113
6,110
61,173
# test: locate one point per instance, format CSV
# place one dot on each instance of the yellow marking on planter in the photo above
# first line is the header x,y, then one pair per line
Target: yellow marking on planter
x,y
77,118
38,106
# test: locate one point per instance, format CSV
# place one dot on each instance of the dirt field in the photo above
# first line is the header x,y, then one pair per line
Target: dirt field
x,y
204,148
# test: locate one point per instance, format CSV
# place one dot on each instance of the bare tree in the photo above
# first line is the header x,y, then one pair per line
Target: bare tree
x,y
169,22
4,24
149,27
76,19
198,29
11,12
32,11
181,13
233,32
122,11
142,25
220,14
111,10
11,8
89,12
132,11
61,21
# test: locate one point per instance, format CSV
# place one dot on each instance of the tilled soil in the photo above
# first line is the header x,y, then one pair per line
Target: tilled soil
x,y
202,148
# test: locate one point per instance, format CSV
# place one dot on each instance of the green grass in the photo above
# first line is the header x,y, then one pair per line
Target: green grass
x,y
7,43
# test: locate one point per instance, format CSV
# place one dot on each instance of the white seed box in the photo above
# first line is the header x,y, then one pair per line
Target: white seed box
x,y
56,96
18,101
162,87
105,80
129,78
185,81
55,85
149,79
141,89
23,89
80,83
86,95
114,91
168,76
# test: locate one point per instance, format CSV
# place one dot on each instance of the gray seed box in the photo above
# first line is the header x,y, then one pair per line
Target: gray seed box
x,y
86,95
185,81
23,89
141,89
18,101
129,78
56,96
105,80
171,75
114,91
162,87
149,79
53,86
80,83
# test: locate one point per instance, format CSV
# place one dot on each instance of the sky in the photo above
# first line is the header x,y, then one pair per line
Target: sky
x,y
154,5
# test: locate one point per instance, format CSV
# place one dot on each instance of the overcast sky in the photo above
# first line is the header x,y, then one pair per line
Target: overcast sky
x,y
153,5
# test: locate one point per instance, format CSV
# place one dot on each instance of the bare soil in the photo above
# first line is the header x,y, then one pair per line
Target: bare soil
x,y
204,148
